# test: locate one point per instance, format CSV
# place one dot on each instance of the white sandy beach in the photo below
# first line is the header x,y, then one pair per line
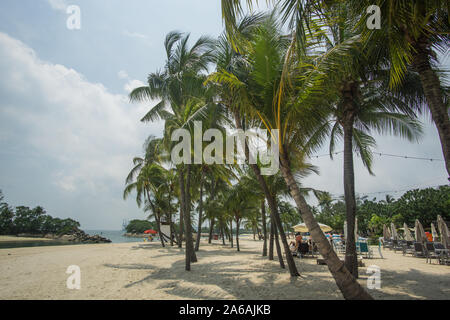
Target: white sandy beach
x,y
148,271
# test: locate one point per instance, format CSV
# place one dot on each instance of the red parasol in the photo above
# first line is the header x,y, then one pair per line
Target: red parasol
x,y
150,231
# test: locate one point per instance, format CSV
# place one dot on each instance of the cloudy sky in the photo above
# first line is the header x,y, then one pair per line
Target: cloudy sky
x,y
68,133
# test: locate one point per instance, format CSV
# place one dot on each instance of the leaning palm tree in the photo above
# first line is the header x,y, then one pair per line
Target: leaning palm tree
x,y
279,108
179,87
147,183
232,65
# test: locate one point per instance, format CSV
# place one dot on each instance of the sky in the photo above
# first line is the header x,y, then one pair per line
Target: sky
x,y
68,133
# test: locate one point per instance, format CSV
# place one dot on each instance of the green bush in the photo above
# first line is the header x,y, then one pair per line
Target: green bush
x,y
139,226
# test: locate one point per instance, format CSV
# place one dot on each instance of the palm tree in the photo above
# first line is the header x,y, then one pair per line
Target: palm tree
x,y
180,88
230,65
412,32
358,100
240,202
147,183
278,110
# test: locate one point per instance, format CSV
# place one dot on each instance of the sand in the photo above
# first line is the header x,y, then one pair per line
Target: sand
x,y
20,239
148,271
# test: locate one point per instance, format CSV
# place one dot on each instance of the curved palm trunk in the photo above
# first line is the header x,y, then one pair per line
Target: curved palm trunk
x,y
237,233
231,233
187,218
435,98
272,239
158,226
272,205
277,245
351,257
157,218
348,285
200,217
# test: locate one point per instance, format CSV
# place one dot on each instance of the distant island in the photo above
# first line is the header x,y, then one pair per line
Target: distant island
x,y
22,221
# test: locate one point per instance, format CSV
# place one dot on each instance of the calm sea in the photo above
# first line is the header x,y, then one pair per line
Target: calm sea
x,y
114,236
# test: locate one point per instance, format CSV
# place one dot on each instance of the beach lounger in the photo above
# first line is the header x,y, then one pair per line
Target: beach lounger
x,y
419,250
365,250
387,244
431,253
396,246
408,248
441,252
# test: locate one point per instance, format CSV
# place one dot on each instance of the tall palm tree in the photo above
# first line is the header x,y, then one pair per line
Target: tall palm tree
x,y
412,32
358,99
240,203
179,87
232,64
278,108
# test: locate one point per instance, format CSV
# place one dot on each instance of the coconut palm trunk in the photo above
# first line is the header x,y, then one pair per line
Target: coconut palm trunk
x,y
272,205
170,220
346,283
277,245
351,258
238,220
157,218
158,226
231,233
272,239
187,218
434,95
182,206
200,214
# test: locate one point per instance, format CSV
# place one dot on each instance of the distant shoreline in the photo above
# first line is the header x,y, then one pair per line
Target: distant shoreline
x,y
21,239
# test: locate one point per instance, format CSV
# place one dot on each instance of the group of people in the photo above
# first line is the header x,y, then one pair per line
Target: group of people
x,y
295,245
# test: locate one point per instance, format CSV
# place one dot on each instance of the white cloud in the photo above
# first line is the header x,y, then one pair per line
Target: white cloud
x,y
59,5
90,133
131,83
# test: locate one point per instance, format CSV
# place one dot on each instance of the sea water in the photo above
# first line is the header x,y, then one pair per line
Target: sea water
x,y
116,236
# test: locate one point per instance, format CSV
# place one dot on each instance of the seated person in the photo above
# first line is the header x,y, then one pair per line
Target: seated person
x,y
298,240
292,248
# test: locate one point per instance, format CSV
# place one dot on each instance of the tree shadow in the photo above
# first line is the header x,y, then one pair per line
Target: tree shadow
x,y
232,279
412,284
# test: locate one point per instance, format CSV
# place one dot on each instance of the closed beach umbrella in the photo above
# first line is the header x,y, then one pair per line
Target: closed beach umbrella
x,y
302,228
434,232
356,229
420,232
394,232
445,234
408,236
386,233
